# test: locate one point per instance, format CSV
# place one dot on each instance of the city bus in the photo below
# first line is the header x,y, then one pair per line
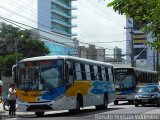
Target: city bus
x,y
51,83
128,79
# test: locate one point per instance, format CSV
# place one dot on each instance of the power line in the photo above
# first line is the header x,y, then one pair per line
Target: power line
x,y
9,10
103,35
18,14
44,37
22,16
103,11
95,12
110,9
41,36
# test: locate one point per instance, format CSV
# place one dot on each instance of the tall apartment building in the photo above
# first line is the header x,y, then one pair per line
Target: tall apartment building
x,y
118,53
55,16
143,54
58,14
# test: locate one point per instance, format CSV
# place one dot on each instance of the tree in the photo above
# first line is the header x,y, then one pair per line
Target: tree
x,y
144,11
17,44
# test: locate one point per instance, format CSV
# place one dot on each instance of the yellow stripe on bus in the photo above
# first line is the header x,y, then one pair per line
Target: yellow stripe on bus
x,y
79,87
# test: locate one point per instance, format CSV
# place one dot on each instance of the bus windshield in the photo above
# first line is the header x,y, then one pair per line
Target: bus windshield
x,y
124,82
40,75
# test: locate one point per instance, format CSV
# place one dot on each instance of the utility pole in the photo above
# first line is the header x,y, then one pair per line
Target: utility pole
x,y
15,45
157,64
132,47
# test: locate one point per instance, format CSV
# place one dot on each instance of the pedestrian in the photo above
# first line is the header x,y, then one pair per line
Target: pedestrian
x,y
12,99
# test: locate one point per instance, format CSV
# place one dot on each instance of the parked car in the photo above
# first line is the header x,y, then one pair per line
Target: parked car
x,y
149,94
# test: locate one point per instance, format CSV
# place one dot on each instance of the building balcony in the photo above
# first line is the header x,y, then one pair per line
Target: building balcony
x,y
64,15
63,23
64,5
64,33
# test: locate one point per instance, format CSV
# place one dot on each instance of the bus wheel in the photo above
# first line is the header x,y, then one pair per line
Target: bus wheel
x,y
39,114
116,102
105,103
143,105
78,105
77,110
136,104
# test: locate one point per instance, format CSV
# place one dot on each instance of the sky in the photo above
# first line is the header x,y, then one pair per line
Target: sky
x,y
97,24
100,25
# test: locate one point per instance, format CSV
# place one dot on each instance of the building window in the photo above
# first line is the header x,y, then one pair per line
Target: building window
x,y
143,54
60,9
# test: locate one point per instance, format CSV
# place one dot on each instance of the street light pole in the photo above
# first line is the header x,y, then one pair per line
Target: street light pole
x,y
16,50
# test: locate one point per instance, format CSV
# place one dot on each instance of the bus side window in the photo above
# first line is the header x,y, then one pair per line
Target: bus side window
x,y
100,73
103,74
83,73
110,74
88,73
69,72
96,75
107,74
92,72
78,71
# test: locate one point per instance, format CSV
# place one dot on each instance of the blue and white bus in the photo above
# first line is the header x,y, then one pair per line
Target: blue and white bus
x,y
51,83
127,80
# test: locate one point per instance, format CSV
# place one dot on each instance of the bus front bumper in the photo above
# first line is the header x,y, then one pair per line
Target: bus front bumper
x,y
33,107
125,97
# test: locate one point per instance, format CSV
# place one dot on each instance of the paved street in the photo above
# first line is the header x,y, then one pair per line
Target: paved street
x,y
90,113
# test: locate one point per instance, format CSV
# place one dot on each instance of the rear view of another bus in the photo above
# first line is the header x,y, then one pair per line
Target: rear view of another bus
x,y
125,84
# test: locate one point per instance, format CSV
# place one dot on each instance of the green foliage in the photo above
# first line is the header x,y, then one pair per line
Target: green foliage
x,y
144,11
17,43
8,62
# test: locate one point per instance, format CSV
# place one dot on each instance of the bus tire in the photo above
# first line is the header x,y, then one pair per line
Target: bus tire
x,y
136,104
143,105
105,103
78,105
39,114
116,102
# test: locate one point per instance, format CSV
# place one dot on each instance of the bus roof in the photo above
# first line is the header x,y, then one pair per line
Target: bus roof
x,y
137,69
64,57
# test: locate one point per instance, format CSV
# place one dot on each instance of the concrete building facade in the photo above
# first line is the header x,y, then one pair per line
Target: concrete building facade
x,y
143,54
117,53
91,52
